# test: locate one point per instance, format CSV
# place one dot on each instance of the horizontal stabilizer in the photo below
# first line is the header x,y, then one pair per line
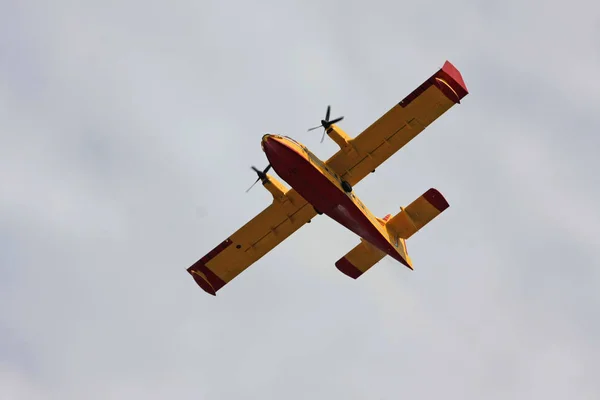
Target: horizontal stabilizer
x,y
418,214
358,260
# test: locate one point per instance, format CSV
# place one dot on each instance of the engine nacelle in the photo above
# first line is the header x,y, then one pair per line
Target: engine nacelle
x,y
277,189
340,137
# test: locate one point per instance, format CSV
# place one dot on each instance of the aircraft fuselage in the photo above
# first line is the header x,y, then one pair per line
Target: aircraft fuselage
x,y
323,188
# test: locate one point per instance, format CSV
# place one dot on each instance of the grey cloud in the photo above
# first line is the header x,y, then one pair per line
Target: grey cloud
x,y
120,120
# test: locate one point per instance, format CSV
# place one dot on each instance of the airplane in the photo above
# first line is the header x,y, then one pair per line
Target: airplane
x,y
326,187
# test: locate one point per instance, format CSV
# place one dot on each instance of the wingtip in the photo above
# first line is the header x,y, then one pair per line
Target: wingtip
x,y
456,80
201,281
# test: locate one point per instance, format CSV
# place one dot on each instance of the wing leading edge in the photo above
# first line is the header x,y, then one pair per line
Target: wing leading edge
x,y
252,241
399,125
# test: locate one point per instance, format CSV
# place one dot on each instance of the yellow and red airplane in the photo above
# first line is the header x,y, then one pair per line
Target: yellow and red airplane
x,y
325,187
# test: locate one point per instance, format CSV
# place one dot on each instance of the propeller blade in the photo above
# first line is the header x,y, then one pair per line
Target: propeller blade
x,y
255,182
326,123
262,175
335,121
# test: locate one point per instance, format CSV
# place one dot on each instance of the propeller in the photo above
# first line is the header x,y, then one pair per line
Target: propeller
x,y
326,123
262,175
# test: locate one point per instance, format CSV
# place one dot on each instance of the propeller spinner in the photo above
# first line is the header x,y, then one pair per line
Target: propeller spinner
x,y
326,123
262,175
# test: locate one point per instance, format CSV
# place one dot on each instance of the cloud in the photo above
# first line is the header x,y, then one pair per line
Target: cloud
x,y
128,130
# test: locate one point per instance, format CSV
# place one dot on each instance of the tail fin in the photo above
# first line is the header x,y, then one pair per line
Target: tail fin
x,y
418,214
384,220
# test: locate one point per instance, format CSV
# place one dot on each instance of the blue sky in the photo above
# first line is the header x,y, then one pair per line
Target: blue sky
x,y
126,134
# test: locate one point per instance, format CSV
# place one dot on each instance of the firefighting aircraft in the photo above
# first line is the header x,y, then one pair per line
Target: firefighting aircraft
x,y
325,187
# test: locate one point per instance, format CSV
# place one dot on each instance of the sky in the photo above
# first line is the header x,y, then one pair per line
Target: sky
x,y
127,132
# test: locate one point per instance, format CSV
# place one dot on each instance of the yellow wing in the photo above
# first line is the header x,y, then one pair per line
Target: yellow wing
x,y
252,241
361,155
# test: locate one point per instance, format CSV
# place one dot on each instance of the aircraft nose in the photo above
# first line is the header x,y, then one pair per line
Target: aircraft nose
x,y
266,141
266,137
